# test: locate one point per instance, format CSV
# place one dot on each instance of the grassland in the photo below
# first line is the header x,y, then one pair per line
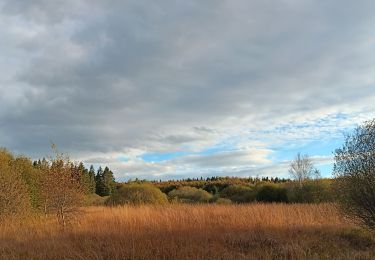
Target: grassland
x,y
253,231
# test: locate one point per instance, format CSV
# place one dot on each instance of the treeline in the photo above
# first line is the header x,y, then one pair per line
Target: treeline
x,y
56,185
215,184
242,190
102,182
35,184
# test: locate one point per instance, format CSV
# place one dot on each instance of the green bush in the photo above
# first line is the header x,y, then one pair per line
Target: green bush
x,y
189,194
239,193
137,194
211,188
272,193
315,191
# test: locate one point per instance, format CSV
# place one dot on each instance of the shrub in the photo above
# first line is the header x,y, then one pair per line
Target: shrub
x,y
354,170
272,193
239,193
211,188
137,194
32,178
316,191
190,195
167,189
14,197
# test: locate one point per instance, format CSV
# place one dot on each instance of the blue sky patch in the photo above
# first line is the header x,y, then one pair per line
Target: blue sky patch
x,y
160,157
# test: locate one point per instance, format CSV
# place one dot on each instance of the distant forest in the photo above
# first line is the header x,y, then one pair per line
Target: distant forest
x,y
40,180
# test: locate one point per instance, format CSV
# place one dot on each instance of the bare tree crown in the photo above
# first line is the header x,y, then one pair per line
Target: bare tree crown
x,y
302,168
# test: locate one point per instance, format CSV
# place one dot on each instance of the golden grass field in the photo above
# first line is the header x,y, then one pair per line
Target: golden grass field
x,y
254,231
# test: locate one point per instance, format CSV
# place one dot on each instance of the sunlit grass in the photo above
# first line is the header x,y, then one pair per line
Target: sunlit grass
x,y
191,232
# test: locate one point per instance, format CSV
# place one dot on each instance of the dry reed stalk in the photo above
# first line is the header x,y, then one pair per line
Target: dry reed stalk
x,y
262,231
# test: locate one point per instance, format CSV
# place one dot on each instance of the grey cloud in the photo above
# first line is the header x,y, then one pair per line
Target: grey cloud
x,y
44,11
136,74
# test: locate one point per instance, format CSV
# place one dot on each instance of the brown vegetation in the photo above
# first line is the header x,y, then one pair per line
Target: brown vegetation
x,y
14,198
261,231
61,189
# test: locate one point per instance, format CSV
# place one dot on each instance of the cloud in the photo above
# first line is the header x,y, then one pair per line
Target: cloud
x,y
168,77
227,159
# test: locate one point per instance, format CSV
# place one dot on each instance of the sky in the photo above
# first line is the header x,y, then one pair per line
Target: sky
x,y
184,89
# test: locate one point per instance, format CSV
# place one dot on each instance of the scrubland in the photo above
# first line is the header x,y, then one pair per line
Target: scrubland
x,y
183,231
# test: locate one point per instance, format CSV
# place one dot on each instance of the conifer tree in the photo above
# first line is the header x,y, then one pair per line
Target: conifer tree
x,y
105,182
109,181
99,180
91,178
87,181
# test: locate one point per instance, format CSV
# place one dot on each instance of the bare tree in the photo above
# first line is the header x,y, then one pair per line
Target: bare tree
x,y
302,168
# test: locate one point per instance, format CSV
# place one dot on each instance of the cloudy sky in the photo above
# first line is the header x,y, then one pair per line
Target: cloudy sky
x,y
171,89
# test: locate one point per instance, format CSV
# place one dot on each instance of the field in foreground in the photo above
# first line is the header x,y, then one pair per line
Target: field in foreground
x,y
261,231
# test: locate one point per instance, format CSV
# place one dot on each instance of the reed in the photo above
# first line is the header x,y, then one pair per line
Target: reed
x,y
176,231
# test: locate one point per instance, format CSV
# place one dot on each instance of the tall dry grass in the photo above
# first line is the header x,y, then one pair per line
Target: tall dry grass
x,y
256,231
